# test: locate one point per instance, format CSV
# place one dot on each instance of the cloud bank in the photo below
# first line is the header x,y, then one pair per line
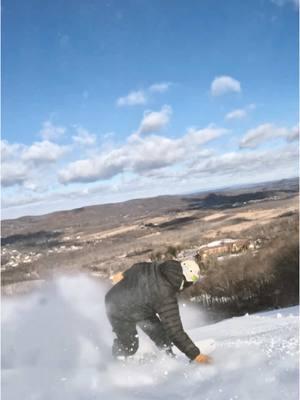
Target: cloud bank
x,y
265,132
140,154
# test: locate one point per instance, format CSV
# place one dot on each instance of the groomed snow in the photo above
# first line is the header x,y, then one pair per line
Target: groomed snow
x,y
56,346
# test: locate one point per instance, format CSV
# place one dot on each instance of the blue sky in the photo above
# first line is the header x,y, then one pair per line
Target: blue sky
x,y
105,101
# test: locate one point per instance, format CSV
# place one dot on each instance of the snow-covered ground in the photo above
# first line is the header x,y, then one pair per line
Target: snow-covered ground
x,y
56,346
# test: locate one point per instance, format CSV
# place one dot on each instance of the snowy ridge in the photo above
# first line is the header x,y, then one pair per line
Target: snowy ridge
x,y
56,346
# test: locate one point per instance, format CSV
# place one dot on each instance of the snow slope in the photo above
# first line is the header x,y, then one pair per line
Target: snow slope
x,y
56,346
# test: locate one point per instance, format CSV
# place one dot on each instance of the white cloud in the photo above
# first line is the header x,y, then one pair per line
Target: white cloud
x,y
139,155
28,166
160,87
26,197
31,186
84,137
50,131
198,137
9,151
43,152
208,171
251,163
236,114
154,121
294,134
132,99
240,113
13,173
140,97
265,132
155,152
224,84
13,170
94,169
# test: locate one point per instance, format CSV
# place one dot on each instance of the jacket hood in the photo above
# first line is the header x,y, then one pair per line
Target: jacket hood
x,y
172,272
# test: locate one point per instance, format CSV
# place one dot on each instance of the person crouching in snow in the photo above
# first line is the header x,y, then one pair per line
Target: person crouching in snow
x,y
146,296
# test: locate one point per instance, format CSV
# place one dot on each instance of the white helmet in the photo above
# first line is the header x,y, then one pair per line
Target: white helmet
x,y
190,270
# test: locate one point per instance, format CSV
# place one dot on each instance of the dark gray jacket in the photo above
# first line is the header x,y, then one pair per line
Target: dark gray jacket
x,y
150,289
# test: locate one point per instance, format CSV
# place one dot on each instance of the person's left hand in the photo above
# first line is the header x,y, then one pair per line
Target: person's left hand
x,y
203,359
116,277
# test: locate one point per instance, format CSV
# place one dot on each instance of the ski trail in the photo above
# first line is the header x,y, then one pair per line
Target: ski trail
x,y
56,346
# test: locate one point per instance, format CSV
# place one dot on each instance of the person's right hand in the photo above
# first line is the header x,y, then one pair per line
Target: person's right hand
x,y
203,359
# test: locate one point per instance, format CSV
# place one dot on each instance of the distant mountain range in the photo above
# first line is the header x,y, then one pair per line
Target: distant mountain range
x,y
110,215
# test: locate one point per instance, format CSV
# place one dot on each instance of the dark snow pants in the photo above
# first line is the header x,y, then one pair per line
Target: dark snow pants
x,y
127,340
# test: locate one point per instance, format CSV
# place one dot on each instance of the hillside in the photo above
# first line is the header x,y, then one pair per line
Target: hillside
x,y
99,240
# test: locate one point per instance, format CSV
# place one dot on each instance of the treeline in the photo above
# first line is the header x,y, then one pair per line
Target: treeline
x,y
253,281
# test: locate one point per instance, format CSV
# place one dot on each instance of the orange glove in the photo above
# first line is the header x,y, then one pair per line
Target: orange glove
x,y
116,277
203,359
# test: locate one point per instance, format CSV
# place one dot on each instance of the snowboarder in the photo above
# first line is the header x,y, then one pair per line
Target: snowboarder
x,y
146,295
